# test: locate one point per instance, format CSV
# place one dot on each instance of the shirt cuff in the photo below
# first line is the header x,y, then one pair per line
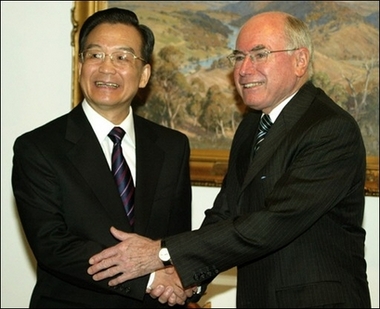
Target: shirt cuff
x,y
150,281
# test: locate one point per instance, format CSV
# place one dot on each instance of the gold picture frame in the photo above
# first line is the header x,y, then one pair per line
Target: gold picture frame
x,y
207,166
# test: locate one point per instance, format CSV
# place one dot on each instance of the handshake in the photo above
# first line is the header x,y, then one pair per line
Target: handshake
x,y
135,256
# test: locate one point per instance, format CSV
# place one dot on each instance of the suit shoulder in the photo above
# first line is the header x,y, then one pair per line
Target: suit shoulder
x,y
322,104
46,131
331,108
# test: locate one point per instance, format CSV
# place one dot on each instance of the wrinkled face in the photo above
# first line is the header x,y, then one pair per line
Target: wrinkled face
x,y
112,83
265,83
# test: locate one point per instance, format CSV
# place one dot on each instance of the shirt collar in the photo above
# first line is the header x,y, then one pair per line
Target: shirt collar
x,y
102,126
277,110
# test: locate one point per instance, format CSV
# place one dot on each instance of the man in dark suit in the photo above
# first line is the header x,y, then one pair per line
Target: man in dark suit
x,y
290,210
66,195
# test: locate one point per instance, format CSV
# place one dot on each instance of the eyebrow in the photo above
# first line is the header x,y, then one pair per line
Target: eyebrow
x,y
256,48
130,49
123,48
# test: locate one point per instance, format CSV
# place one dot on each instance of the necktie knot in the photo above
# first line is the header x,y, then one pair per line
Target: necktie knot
x,y
264,125
116,134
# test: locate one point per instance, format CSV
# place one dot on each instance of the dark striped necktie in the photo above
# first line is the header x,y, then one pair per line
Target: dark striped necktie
x,y
122,173
265,124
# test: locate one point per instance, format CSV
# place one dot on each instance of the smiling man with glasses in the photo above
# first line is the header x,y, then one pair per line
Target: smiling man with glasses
x,y
98,166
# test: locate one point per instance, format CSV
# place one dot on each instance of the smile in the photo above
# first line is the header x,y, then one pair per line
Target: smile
x,y
102,84
250,85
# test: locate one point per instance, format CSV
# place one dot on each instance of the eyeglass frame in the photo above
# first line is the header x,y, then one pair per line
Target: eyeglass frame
x,y
81,55
267,52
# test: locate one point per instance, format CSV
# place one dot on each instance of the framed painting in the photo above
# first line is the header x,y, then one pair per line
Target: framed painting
x,y
198,97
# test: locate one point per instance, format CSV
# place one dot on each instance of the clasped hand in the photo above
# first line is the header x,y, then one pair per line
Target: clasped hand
x,y
168,288
136,256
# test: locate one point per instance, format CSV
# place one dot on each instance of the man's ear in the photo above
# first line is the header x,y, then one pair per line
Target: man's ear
x,y
145,75
79,68
302,61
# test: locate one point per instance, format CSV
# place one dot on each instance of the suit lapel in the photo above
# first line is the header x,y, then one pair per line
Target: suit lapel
x,y
287,119
272,139
149,161
88,157
245,146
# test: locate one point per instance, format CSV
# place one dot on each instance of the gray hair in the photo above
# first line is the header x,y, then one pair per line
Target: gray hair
x,y
298,35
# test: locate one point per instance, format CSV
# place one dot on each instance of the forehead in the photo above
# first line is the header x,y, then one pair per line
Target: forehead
x,y
113,35
261,33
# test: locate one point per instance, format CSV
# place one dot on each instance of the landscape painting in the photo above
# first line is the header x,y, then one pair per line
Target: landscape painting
x,y
191,88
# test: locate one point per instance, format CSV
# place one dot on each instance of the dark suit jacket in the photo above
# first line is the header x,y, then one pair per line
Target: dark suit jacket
x,y
290,220
67,201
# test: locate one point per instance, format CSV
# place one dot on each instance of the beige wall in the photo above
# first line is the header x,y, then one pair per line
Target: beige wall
x,y
35,88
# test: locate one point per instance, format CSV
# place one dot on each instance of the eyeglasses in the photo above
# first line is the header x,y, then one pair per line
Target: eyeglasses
x,y
256,56
119,59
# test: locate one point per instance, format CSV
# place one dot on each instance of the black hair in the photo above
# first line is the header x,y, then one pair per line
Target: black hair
x,y
118,16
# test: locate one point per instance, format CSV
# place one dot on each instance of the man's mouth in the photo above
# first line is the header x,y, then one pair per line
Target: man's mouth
x,y
103,84
250,85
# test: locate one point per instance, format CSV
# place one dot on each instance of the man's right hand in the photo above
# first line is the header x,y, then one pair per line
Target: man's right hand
x,y
167,287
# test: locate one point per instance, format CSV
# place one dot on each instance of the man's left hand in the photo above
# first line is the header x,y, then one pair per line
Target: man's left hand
x,y
133,257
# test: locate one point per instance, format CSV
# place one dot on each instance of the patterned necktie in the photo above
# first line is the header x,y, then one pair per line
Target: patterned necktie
x,y
265,124
122,173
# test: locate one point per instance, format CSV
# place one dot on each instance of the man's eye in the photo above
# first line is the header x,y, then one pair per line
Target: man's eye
x,y
94,55
239,58
122,57
260,56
